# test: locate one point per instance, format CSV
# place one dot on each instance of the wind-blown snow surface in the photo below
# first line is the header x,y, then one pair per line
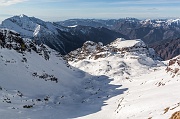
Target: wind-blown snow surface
x,y
151,91
124,83
21,84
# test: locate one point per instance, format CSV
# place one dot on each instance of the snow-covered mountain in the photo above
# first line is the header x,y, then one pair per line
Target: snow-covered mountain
x,y
29,26
110,23
62,39
36,29
121,57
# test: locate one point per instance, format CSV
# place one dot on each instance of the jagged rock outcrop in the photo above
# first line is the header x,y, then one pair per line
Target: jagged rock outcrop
x,y
88,50
174,66
175,115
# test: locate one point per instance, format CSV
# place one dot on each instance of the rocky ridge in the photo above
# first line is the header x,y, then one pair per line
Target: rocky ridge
x,y
12,40
92,50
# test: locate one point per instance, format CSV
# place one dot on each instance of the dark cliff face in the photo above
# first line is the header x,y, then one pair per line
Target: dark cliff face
x,y
168,49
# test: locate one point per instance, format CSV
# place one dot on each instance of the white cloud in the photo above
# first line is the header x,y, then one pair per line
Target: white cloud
x,y
10,2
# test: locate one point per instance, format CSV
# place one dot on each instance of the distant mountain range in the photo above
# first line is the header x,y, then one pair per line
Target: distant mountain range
x,y
66,36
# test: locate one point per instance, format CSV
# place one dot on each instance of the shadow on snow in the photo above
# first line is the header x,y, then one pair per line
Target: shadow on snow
x,y
95,91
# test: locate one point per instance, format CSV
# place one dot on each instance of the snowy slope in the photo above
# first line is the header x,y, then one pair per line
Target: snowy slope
x,y
36,82
149,93
109,82
75,94
28,80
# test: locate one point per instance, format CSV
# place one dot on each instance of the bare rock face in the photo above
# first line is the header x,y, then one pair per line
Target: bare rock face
x,y
174,66
175,115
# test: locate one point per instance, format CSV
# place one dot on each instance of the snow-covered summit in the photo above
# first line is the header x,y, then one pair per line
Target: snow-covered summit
x,y
29,26
161,22
173,21
37,30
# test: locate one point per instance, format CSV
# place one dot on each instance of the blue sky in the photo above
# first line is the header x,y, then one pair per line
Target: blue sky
x,y
56,10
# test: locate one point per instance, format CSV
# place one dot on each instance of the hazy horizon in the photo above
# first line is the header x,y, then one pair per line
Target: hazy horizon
x,y
44,19
58,10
